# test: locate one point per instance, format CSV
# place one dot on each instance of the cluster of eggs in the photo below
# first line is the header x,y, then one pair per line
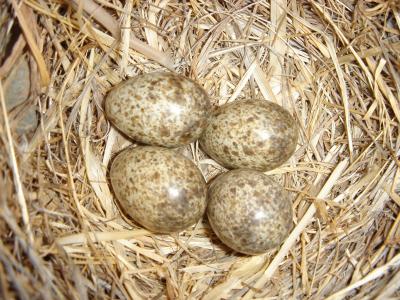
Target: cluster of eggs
x,y
165,192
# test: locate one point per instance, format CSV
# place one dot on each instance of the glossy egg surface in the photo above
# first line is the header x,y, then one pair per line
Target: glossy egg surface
x,y
159,188
248,211
252,134
163,109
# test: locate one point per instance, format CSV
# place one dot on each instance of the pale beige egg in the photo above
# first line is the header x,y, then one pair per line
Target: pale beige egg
x,y
159,188
251,134
248,211
163,109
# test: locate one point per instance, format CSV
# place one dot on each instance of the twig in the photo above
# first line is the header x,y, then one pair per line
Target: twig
x,y
109,23
378,272
14,167
22,15
290,241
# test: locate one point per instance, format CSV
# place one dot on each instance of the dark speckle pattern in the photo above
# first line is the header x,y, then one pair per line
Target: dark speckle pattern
x,y
252,134
160,108
159,188
249,211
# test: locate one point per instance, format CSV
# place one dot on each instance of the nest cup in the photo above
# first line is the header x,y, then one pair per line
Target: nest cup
x,y
333,65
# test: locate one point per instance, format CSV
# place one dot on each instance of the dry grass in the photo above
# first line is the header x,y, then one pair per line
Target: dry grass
x,y
333,64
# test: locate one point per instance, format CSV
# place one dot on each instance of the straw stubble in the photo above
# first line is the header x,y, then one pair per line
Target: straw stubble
x,y
332,65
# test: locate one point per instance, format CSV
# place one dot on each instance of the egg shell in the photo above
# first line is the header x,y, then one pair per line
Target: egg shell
x,y
159,188
249,211
252,134
161,108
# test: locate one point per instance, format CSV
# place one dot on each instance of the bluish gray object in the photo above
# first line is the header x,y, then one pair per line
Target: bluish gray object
x,y
16,92
17,84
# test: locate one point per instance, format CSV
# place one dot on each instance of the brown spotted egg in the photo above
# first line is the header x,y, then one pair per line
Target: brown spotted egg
x,y
160,189
161,108
252,134
248,211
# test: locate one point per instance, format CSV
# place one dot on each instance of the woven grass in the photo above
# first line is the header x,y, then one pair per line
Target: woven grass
x,y
333,64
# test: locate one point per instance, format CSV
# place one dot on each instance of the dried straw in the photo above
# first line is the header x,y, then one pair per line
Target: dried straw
x,y
333,64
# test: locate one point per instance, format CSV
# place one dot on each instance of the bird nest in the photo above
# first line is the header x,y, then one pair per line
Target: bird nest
x,y
333,64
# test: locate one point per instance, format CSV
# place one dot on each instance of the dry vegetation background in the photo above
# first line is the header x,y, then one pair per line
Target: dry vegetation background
x,y
334,64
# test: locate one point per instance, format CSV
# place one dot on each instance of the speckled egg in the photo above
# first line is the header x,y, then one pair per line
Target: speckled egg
x,y
160,189
163,109
248,211
252,134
